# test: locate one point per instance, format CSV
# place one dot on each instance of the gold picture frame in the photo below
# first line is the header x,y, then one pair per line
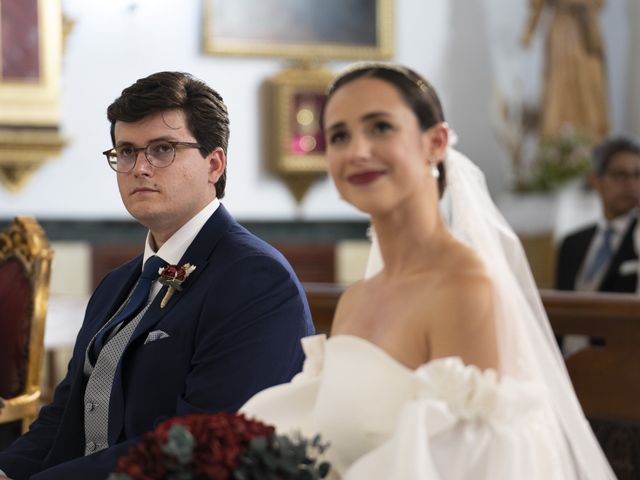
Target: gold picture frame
x,y
30,72
294,102
300,29
30,92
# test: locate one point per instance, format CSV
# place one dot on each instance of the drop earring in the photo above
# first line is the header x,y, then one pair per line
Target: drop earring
x,y
435,173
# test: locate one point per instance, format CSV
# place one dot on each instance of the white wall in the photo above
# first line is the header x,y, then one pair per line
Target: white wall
x,y
115,42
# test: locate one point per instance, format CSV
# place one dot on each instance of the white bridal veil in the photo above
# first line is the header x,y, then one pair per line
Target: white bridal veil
x,y
526,342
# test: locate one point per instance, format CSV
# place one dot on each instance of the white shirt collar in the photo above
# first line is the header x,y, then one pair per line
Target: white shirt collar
x,y
173,249
619,224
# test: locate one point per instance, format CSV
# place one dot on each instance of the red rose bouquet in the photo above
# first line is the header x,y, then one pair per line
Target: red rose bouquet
x,y
224,446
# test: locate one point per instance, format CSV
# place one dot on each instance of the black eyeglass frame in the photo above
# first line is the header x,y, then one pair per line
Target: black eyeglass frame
x,y
112,153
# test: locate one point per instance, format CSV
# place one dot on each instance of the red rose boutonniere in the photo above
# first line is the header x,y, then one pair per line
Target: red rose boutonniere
x,y
174,276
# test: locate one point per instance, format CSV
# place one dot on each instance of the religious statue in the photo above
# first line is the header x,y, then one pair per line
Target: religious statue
x,y
574,90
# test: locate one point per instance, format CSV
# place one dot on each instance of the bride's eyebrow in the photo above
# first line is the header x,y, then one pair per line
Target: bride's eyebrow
x,y
374,115
336,126
365,118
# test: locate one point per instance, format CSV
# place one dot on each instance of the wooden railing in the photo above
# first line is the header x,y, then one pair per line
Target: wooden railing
x,y
615,317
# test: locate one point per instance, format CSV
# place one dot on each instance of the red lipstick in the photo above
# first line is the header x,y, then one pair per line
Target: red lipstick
x,y
364,178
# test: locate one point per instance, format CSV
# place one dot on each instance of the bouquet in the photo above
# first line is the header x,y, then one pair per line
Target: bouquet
x,y
224,446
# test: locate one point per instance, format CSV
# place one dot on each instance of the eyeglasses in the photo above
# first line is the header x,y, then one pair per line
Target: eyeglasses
x,y
620,175
160,154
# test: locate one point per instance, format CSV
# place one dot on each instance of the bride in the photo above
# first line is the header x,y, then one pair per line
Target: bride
x,y
441,364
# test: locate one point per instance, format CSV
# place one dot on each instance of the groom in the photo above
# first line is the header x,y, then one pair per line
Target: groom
x,y
220,324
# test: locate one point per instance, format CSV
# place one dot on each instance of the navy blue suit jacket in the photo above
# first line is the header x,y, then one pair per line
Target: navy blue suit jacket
x,y
573,251
234,330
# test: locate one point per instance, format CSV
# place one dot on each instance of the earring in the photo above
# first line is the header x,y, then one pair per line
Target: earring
x,y
435,173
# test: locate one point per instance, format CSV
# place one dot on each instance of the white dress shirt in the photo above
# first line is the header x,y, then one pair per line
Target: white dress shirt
x,y
173,249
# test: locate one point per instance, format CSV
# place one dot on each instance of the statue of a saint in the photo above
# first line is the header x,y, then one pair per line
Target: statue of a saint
x,y
574,84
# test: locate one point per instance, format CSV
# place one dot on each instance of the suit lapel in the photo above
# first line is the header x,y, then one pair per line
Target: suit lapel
x,y
579,253
198,254
123,285
625,251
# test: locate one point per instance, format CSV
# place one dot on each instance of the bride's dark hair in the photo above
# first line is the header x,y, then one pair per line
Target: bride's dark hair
x,y
415,90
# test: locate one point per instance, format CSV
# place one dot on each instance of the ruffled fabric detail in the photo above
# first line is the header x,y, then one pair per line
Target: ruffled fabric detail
x,y
471,394
313,347
475,395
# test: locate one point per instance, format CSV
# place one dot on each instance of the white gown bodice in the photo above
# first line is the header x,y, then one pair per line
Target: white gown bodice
x,y
444,420
358,404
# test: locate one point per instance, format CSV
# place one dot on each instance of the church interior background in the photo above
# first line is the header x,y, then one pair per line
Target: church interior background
x,y
474,53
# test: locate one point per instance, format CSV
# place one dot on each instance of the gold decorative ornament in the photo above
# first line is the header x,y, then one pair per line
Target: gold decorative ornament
x,y
24,241
30,94
294,101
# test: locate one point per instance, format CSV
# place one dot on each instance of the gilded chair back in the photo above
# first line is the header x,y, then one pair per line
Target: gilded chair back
x,y
25,267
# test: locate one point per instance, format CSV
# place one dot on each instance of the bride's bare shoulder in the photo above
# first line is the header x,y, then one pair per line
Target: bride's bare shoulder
x,y
465,311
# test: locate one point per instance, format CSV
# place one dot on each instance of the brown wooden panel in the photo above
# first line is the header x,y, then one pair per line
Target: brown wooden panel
x,y
105,258
540,252
607,381
323,299
311,262
615,317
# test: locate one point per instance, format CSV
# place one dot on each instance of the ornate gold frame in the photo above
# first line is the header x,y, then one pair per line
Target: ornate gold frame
x,y
298,169
383,49
25,240
37,103
30,110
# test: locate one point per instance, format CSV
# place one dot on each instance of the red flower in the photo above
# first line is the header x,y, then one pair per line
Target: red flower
x,y
219,440
215,447
173,276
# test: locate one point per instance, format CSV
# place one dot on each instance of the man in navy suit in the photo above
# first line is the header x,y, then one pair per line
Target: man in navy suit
x,y
232,328
603,257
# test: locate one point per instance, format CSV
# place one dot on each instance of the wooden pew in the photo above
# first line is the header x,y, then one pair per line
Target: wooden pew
x,y
615,317
606,379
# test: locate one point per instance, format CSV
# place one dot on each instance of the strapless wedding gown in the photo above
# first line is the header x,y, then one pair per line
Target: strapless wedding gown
x,y
444,420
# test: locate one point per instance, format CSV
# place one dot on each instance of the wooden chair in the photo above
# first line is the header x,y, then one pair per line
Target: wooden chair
x,y
25,263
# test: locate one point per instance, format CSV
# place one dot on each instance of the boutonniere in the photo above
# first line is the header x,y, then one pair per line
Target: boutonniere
x,y
173,276
628,267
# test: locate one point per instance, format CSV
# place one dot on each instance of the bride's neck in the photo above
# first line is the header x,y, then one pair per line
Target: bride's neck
x,y
410,243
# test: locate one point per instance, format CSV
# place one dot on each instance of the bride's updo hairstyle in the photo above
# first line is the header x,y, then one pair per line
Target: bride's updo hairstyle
x,y
416,91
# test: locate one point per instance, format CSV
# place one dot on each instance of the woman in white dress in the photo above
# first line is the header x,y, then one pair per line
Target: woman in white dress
x,y
442,364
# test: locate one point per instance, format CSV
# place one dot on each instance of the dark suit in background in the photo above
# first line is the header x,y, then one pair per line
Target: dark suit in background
x,y
573,251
